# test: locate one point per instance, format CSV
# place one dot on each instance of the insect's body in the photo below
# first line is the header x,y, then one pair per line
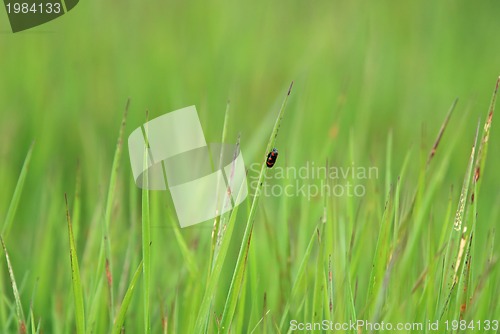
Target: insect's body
x,y
271,158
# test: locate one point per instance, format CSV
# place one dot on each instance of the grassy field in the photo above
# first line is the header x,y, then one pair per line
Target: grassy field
x,y
375,92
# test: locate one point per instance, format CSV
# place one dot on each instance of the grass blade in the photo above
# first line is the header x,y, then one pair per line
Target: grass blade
x,y
298,278
14,203
109,209
457,233
483,147
120,318
219,258
19,308
146,244
75,277
441,131
237,279
104,263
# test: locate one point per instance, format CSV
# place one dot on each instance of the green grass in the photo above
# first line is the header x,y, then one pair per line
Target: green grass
x,y
373,85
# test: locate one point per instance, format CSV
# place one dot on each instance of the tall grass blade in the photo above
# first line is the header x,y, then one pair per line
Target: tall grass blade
x,y
204,311
109,209
216,228
455,248
483,147
146,240
14,203
21,322
236,282
75,277
298,279
120,318
441,131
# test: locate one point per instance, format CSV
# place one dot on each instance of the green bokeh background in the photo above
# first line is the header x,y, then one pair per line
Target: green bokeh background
x,y
361,70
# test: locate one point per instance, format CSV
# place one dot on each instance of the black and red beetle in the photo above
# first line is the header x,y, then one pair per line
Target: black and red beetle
x,y
271,158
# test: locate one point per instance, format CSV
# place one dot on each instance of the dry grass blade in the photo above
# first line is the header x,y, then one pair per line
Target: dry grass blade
x,y
441,131
483,147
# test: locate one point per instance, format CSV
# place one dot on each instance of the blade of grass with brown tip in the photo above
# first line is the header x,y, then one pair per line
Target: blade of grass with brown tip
x,y
237,280
483,147
441,131
75,277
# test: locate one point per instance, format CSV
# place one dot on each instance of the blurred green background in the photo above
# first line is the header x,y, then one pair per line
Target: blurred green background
x,y
362,70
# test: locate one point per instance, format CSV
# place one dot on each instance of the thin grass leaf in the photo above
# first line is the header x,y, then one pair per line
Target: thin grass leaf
x,y
441,131
215,230
457,232
298,279
483,146
21,322
431,155
109,208
319,281
465,280
204,311
75,277
237,280
258,323
31,318
104,262
122,312
146,252
187,254
380,257
77,202
14,202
